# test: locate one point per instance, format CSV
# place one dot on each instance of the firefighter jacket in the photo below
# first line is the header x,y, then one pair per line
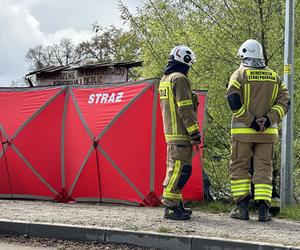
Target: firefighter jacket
x,y
253,93
179,108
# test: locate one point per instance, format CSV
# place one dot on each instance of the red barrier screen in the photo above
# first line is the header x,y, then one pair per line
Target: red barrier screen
x,y
101,143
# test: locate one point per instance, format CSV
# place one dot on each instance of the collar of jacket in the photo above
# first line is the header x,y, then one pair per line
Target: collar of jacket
x,y
175,66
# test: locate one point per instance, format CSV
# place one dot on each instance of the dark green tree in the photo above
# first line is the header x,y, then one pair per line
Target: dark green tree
x,y
215,29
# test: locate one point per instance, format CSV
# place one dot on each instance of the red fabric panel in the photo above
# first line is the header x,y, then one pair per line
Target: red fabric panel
x,y
77,144
40,142
97,114
87,186
100,105
17,106
128,142
114,186
4,176
160,153
23,180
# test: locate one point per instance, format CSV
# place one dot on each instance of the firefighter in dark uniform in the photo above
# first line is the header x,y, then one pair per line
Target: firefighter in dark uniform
x,y
258,100
179,111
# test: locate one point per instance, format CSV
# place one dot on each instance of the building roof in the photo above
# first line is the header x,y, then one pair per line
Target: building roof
x,y
126,64
49,69
52,69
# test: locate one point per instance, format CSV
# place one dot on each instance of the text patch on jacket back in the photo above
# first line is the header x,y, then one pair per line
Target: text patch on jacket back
x,y
261,75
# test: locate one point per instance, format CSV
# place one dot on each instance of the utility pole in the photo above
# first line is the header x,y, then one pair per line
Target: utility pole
x,y
286,187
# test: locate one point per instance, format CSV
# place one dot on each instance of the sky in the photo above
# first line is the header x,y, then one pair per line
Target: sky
x,y
27,23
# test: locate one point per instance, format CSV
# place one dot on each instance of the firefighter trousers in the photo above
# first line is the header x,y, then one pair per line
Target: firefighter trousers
x,y
179,169
240,177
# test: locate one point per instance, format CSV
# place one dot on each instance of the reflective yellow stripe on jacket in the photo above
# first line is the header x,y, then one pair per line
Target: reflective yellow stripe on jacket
x,y
234,83
166,88
193,128
241,128
273,131
240,112
279,109
184,103
247,95
177,137
274,94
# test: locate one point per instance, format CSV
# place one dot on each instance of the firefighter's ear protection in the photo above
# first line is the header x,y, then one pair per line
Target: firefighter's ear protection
x,y
187,58
244,51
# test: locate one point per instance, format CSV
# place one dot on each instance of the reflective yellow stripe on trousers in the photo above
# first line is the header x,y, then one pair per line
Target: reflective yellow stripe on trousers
x,y
263,192
240,187
168,189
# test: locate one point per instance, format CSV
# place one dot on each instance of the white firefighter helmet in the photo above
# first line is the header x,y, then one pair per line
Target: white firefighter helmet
x,y
183,54
251,49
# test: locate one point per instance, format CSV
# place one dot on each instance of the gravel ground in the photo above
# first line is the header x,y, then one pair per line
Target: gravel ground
x,y
150,219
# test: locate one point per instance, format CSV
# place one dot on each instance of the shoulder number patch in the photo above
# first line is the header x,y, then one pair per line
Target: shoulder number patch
x,y
163,92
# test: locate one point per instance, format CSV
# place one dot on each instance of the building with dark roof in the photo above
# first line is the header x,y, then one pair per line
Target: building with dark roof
x,y
105,72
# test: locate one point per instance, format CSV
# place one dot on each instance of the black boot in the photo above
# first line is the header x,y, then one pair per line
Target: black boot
x,y
175,213
184,209
263,211
241,212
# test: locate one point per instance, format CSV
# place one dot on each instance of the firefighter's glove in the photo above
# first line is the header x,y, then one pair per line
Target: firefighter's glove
x,y
263,122
195,138
268,122
255,125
